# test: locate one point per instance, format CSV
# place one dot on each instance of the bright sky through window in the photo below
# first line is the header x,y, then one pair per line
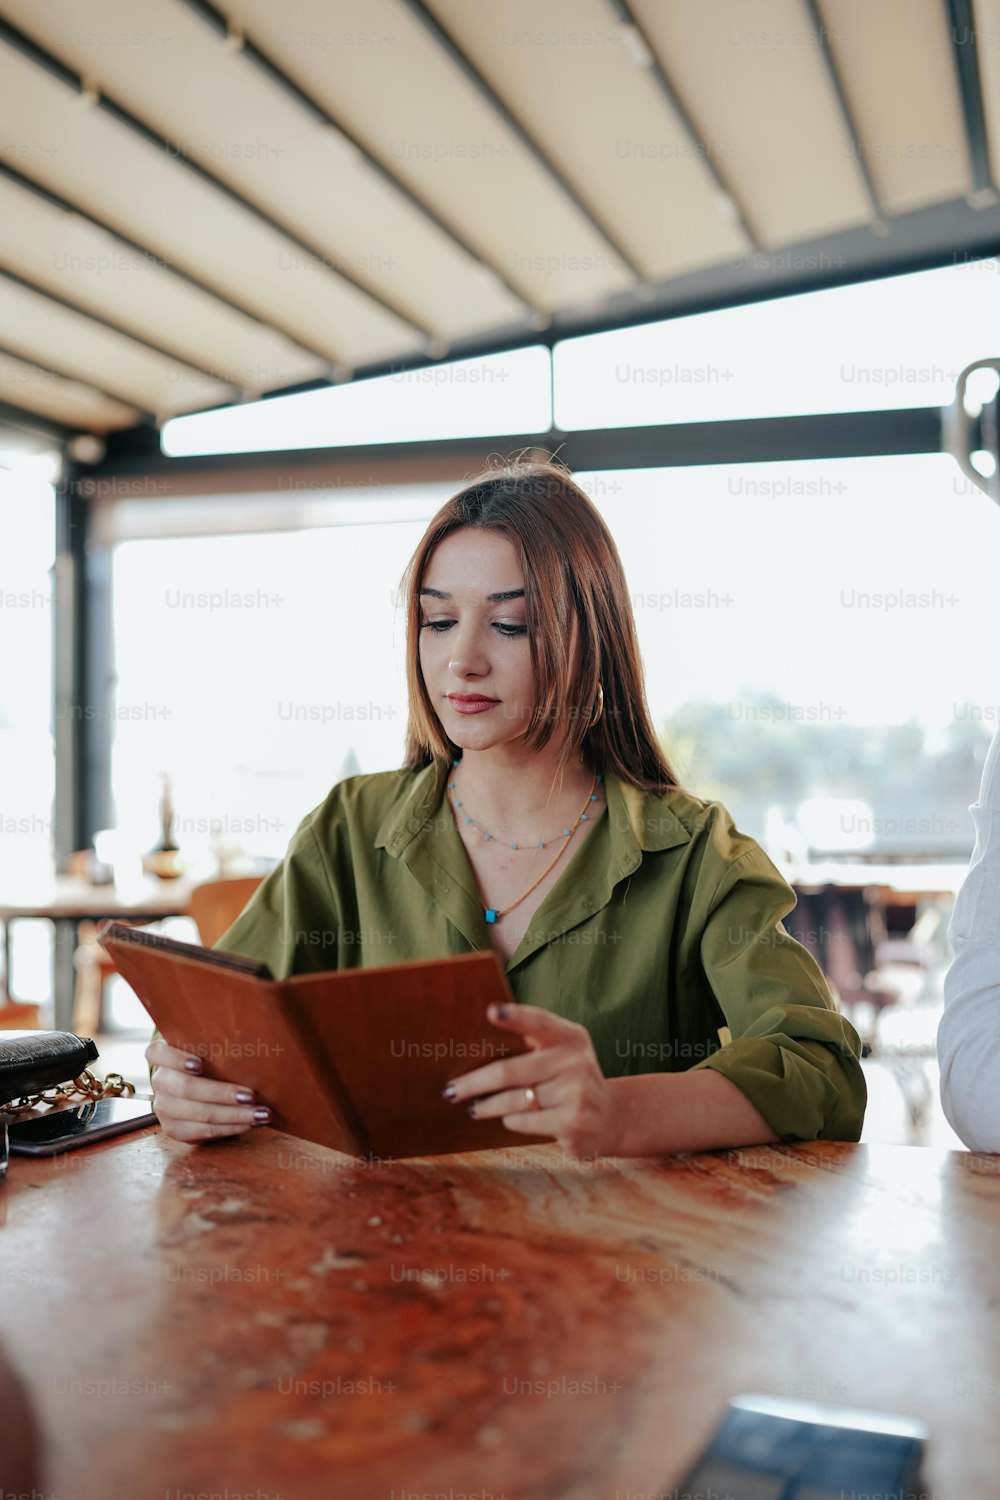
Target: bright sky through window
x,y
494,395
898,342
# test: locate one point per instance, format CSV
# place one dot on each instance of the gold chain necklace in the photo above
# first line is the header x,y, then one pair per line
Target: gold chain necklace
x,y
491,913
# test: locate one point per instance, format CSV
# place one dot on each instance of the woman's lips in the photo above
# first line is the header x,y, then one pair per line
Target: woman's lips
x,y
472,705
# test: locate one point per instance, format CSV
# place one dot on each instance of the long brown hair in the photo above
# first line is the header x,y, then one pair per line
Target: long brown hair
x,y
570,565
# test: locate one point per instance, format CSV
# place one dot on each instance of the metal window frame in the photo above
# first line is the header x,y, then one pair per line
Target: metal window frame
x,y
82,673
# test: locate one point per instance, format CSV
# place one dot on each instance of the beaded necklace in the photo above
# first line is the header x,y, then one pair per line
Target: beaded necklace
x,y
491,913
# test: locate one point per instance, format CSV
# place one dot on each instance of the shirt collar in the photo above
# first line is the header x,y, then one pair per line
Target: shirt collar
x,y
638,820
420,831
412,812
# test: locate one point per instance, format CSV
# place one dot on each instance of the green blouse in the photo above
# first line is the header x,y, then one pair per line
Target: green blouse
x,y
662,935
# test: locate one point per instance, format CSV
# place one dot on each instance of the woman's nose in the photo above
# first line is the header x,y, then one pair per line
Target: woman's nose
x,y
467,650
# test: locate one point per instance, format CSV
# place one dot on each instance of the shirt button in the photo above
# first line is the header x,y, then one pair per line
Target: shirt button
x,y
587,903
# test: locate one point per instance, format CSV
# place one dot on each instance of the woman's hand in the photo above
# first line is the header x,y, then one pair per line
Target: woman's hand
x,y
190,1108
576,1106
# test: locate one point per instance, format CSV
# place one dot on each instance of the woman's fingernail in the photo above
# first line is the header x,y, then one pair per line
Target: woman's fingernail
x,y
472,1110
193,1064
449,1092
501,1012
244,1096
261,1116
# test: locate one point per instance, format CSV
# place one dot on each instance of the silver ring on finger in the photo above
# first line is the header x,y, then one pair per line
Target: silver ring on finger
x,y
531,1099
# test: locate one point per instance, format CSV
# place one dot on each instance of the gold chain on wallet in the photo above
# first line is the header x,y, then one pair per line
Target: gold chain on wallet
x,y
84,1087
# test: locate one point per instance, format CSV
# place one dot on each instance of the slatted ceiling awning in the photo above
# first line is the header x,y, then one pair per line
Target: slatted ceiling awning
x,y
345,186
87,351
127,290
419,116
901,88
138,188
605,123
768,113
256,140
28,388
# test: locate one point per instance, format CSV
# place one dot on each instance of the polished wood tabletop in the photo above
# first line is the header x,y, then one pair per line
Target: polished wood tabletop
x,y
266,1317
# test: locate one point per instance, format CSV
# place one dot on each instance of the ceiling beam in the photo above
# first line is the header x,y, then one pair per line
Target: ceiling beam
x,y
824,435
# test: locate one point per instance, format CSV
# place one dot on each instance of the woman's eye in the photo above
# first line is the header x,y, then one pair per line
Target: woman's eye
x,y
504,629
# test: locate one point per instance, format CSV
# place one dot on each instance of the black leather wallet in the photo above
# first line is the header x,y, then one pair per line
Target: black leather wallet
x,y
35,1060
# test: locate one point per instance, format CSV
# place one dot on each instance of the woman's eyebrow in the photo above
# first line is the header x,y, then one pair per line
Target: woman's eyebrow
x,y
490,598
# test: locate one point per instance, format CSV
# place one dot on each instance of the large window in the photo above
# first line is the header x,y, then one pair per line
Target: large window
x,y
901,341
256,671
499,393
819,641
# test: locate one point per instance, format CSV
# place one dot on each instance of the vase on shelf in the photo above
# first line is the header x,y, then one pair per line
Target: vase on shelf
x,y
165,860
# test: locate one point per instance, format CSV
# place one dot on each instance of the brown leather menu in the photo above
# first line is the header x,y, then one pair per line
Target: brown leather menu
x,y
355,1059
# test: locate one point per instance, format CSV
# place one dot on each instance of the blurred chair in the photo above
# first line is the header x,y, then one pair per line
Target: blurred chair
x,y
93,970
18,1015
93,966
215,905
833,922
921,945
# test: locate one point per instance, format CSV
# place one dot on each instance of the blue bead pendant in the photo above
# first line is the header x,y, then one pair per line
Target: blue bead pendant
x,y
491,914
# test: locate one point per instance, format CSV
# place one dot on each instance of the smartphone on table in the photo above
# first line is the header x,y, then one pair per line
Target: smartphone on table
x,y
81,1124
768,1448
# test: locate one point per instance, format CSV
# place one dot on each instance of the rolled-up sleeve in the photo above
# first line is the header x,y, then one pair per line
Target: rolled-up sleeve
x,y
793,1055
968,1037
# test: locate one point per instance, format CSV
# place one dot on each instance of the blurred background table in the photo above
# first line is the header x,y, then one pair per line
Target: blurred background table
x,y
266,1316
67,900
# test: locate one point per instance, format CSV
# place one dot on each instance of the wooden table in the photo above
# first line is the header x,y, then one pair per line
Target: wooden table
x,y
65,901
266,1317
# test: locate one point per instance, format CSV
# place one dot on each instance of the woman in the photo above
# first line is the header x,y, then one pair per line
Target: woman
x,y
665,1006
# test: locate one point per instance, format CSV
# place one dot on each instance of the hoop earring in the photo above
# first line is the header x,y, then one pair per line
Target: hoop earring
x,y
600,707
